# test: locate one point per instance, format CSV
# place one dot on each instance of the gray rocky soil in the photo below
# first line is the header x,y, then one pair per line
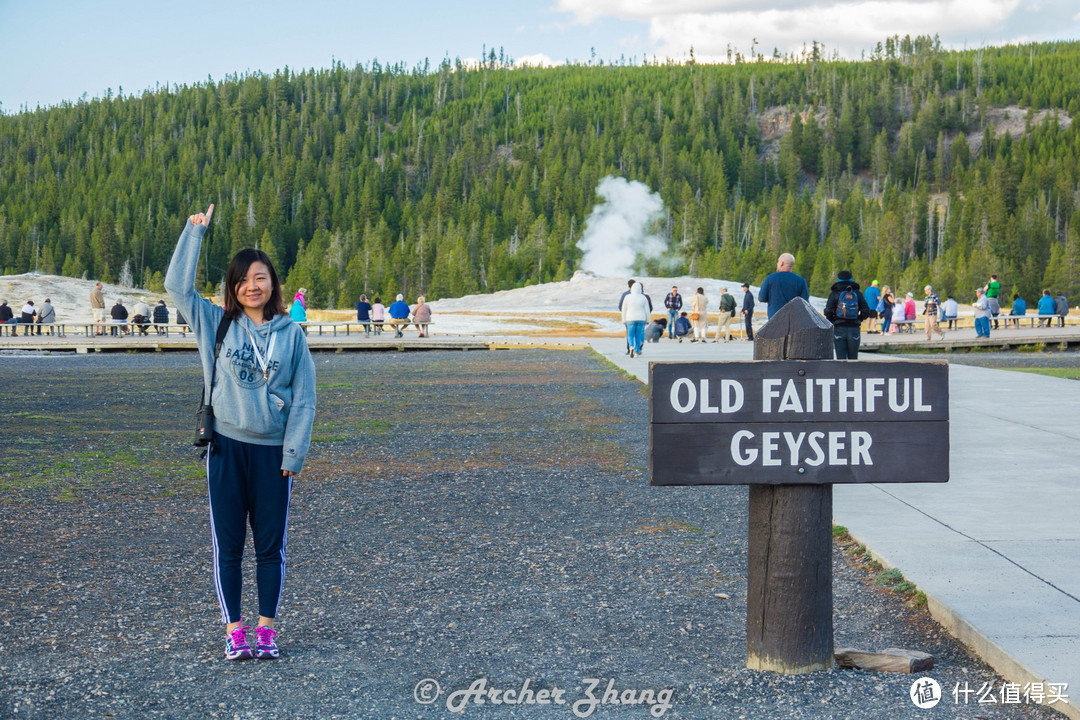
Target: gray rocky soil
x,y
462,516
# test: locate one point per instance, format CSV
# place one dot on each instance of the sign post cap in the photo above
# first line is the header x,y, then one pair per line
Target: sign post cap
x,y
796,332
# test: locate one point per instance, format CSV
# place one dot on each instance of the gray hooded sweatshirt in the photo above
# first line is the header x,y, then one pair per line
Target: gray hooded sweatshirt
x,y
277,410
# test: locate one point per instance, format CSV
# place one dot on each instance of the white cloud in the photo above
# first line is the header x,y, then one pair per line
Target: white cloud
x,y
849,26
536,60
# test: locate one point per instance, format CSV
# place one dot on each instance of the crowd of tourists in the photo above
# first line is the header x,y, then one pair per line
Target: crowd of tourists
x,y
118,320
848,307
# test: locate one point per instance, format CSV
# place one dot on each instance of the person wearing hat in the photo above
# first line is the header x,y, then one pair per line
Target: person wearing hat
x,y
982,314
161,317
141,316
873,298
846,308
298,310
931,308
748,310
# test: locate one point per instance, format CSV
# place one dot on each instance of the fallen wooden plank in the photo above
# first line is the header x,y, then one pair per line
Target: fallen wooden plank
x,y
890,660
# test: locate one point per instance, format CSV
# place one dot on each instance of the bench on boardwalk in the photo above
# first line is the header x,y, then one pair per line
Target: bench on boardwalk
x,y
1015,319
90,329
906,326
11,328
367,326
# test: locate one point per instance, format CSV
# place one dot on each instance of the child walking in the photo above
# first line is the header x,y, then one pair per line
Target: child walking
x,y
263,396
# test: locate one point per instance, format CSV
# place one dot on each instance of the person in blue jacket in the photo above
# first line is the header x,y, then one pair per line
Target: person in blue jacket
x,y
1019,307
1046,307
298,310
263,396
682,326
399,311
873,295
782,286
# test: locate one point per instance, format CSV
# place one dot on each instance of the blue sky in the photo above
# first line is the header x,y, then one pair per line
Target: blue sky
x,y
56,50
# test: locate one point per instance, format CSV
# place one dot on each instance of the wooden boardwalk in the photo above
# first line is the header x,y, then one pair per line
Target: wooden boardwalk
x,y
327,343
963,339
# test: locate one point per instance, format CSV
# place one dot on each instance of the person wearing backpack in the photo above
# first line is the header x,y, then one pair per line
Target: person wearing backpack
x,y
846,308
727,314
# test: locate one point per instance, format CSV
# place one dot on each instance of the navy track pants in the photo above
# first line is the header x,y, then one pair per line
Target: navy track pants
x,y
245,485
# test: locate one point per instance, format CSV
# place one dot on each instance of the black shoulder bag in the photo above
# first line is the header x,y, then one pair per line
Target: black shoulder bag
x,y
204,425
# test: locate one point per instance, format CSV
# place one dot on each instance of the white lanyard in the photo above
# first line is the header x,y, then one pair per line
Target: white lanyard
x,y
264,364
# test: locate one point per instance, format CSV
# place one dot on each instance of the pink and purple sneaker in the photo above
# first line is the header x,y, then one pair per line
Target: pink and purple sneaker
x,y
236,644
265,647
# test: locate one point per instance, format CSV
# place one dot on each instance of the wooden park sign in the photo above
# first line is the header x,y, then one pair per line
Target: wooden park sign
x,y
790,425
796,422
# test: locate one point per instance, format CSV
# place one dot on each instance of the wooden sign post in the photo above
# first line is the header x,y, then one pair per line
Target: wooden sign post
x,y
790,428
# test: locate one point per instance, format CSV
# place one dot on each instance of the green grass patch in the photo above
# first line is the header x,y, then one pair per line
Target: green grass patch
x,y
341,431
35,416
889,578
1067,373
666,526
373,428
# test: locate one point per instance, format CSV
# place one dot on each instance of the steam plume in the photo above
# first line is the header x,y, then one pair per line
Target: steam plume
x,y
620,229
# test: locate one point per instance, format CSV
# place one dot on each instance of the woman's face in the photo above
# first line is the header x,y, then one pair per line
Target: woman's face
x,y
253,291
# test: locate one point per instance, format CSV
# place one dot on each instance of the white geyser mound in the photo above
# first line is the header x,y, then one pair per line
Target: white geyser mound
x,y
620,229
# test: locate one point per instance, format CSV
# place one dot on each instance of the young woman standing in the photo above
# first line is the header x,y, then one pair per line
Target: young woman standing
x,y
699,315
263,397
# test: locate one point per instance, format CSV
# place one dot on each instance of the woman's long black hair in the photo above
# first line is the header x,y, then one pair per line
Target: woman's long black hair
x,y
238,268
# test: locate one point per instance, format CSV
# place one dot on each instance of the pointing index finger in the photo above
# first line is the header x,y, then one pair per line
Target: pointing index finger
x,y
209,213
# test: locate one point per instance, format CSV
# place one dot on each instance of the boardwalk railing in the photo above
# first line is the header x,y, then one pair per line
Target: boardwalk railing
x,y
135,330
89,329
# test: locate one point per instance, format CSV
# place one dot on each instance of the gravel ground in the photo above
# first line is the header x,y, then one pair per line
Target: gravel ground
x,y
461,516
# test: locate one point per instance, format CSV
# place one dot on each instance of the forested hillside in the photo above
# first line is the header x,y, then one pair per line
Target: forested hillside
x,y
451,180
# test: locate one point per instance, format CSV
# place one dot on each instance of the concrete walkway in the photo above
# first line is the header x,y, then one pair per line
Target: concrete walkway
x,y
997,548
